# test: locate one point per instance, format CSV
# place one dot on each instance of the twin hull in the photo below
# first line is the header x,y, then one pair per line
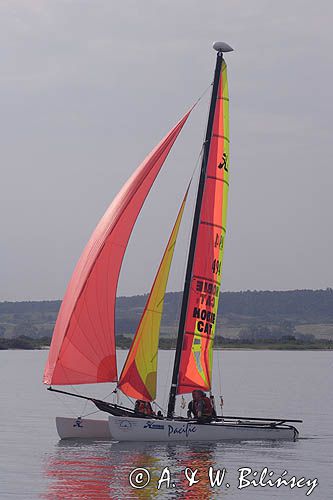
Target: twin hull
x,y
82,428
141,429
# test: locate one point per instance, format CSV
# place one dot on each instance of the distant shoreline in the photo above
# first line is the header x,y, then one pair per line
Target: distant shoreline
x,y
254,320
30,344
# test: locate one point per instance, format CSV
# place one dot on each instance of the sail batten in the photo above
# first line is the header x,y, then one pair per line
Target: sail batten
x,y
83,343
139,375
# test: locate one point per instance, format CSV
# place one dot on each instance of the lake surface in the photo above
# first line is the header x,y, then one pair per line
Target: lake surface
x,y
35,464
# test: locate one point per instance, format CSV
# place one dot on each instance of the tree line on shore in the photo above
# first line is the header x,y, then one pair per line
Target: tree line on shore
x,y
258,315
311,304
124,342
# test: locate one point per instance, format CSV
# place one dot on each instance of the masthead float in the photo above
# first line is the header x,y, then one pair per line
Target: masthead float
x,y
83,348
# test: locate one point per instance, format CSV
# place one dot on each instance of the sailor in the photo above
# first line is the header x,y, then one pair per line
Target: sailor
x,y
201,407
143,407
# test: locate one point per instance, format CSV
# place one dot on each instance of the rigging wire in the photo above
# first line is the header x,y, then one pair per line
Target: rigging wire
x,y
203,94
219,379
67,405
84,407
158,406
91,413
85,403
129,399
110,394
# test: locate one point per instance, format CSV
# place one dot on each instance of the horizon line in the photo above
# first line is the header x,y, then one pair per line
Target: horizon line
x,y
328,288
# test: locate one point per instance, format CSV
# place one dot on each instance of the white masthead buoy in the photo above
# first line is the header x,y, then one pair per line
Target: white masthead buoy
x,y
222,47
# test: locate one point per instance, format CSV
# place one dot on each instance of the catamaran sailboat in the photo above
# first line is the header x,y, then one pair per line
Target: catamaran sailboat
x,y
83,348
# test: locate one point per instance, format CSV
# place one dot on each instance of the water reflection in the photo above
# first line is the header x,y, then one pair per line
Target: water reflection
x,y
82,469
100,469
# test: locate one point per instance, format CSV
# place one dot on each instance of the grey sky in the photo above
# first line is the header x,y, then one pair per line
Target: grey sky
x,y
88,88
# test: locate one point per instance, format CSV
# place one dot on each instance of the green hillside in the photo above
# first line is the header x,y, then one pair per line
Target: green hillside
x,y
301,315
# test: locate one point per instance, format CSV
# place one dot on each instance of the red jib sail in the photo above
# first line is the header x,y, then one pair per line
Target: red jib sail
x,y
83,344
139,376
197,351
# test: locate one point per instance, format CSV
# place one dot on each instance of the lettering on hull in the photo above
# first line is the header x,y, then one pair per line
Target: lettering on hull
x,y
184,430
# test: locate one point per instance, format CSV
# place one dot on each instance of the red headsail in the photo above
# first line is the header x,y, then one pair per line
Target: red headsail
x,y
83,344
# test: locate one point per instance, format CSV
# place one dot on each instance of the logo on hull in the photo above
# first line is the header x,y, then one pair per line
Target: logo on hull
x,y
125,424
152,425
78,422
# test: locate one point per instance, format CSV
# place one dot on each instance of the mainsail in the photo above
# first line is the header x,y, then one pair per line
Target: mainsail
x,y
139,376
196,355
83,344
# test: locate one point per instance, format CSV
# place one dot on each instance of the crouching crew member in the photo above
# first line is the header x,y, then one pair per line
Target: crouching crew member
x,y
201,407
143,408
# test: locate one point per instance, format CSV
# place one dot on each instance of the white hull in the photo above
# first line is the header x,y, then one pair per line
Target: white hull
x,y
82,428
141,429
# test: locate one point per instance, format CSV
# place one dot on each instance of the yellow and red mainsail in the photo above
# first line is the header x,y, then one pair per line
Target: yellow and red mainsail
x,y
139,375
197,350
83,343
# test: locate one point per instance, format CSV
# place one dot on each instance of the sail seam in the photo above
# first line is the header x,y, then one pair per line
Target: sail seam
x,y
67,368
70,342
69,338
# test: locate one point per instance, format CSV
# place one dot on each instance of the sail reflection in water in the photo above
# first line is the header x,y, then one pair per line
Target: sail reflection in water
x,y
99,470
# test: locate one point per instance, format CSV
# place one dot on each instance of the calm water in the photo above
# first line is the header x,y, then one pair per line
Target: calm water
x,y
35,464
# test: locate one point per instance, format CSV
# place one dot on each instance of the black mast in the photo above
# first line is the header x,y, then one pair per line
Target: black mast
x,y
220,47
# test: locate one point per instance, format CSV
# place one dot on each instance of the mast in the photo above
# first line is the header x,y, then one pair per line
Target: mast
x,y
220,47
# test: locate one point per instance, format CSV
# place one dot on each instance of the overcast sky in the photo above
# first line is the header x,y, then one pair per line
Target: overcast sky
x,y
88,88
